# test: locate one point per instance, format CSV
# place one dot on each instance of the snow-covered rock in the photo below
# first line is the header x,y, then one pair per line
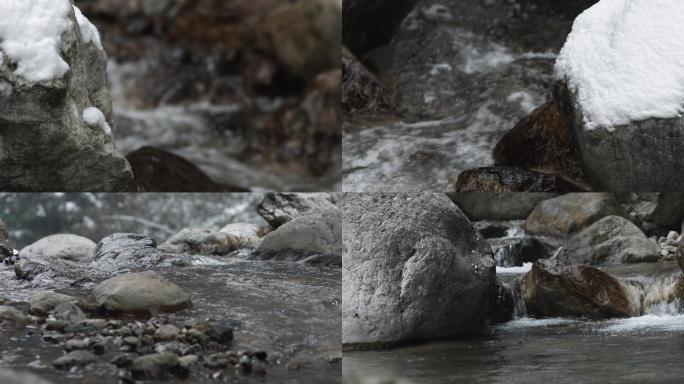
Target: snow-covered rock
x,y
52,80
622,90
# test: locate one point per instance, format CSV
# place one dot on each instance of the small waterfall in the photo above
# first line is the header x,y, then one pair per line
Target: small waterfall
x,y
654,295
515,293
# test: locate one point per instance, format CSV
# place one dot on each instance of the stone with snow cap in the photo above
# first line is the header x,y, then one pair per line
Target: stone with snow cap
x,y
621,89
53,69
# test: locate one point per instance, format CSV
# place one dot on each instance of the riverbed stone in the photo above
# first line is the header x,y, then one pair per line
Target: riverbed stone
x,y
501,179
611,240
279,208
62,246
68,312
567,214
166,332
78,358
47,145
246,233
9,376
361,90
44,302
319,233
202,241
154,366
414,268
498,206
12,316
552,290
142,292
127,249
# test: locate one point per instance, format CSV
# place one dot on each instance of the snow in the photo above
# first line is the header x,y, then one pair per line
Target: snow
x,y
624,59
94,118
89,32
526,267
30,35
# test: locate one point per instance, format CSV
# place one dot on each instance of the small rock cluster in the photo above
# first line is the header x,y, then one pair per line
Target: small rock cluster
x,y
668,244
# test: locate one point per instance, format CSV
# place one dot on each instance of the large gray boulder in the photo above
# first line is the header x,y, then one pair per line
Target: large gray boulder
x,y
50,138
498,206
563,215
611,240
279,208
143,292
414,268
123,250
318,233
367,24
63,246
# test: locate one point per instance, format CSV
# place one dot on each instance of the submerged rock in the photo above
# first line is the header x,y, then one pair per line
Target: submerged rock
x,y
203,242
550,290
508,179
279,208
611,240
143,292
8,376
563,215
368,24
63,246
414,268
49,144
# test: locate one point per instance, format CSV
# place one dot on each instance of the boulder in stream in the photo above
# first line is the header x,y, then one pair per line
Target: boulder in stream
x,y
611,240
367,24
43,302
414,268
122,249
12,316
551,290
279,208
63,246
143,292
55,103
201,241
498,206
154,366
509,179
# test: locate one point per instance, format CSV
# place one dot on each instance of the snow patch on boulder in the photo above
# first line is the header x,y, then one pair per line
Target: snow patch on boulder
x,y
96,119
624,60
89,32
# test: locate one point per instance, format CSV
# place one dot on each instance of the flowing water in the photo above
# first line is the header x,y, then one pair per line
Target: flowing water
x,y
461,73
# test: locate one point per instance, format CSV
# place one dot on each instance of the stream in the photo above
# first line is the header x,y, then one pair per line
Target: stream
x,y
461,73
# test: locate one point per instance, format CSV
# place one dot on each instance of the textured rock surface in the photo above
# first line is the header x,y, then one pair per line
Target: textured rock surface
x,y
279,208
570,213
154,366
44,302
46,145
203,242
361,90
508,179
143,292
12,316
367,24
128,248
611,240
578,290
414,268
498,206
63,246
319,233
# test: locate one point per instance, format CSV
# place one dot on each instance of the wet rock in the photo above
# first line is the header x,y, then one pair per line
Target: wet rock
x,y
44,302
76,345
65,246
414,268
143,292
220,331
154,366
247,234
510,252
166,332
541,142
8,376
185,362
72,359
669,210
157,170
502,304
4,237
12,316
498,206
611,240
319,233
550,290
28,269
68,312
47,145
127,248
564,215
611,156
508,179
361,90
203,242
279,208
368,24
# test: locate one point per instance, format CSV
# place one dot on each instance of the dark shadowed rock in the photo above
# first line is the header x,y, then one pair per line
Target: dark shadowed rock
x,y
361,90
414,268
157,170
143,292
498,206
508,179
579,290
541,142
279,208
611,240
367,24
570,213
510,252
669,210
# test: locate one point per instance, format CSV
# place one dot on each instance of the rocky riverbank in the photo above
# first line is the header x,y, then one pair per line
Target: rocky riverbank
x,y
207,304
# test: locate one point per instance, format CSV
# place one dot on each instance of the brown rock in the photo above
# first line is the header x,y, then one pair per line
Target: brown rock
x,y
361,90
507,179
580,290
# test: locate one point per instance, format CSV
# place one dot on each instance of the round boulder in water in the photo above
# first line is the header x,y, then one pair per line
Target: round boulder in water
x,y
414,268
143,292
621,88
63,246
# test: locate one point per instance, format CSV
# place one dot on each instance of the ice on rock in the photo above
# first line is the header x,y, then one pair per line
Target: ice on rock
x,y
624,60
95,118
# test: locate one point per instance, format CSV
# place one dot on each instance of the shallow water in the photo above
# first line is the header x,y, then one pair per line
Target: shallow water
x,y
462,73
